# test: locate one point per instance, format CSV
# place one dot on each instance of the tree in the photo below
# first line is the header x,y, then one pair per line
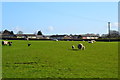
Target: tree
x,y
104,35
6,32
114,33
39,33
98,35
79,36
11,33
20,32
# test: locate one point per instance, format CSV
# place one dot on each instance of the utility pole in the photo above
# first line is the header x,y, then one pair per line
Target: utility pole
x,y
109,31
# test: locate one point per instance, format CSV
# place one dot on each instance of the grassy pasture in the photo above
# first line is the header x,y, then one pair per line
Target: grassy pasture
x,y
56,59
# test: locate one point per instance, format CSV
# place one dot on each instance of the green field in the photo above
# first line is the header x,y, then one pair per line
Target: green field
x,y
56,59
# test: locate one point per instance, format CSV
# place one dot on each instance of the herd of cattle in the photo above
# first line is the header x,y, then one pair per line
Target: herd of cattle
x,y
81,46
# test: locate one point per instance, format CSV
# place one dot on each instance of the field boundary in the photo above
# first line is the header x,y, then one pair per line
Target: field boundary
x,y
106,40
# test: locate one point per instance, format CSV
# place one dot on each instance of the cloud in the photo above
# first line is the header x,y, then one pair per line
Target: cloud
x,y
50,28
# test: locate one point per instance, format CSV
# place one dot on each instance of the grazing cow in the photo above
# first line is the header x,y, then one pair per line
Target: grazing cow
x,y
90,41
80,46
6,43
93,40
73,47
29,45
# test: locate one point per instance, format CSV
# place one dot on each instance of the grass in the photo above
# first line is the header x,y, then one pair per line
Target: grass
x,y
56,59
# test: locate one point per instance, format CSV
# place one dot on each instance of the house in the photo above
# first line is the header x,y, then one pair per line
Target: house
x,y
76,36
39,36
47,36
57,36
8,34
90,36
67,37
32,36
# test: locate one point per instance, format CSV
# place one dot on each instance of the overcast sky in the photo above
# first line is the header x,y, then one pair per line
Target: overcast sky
x,y
60,17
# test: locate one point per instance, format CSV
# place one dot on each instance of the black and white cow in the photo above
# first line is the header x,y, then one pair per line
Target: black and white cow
x,y
73,47
92,41
6,43
81,47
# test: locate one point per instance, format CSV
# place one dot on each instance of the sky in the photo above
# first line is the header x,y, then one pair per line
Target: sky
x,y
60,17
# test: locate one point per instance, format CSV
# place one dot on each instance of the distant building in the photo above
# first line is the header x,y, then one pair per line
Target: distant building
x,y
8,34
39,36
90,36
67,37
47,36
33,36
76,36
57,36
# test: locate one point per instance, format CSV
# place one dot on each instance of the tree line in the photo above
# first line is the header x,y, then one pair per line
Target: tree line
x,y
113,33
19,32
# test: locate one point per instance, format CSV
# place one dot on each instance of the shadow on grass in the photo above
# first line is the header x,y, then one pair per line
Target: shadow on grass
x,y
74,49
26,63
